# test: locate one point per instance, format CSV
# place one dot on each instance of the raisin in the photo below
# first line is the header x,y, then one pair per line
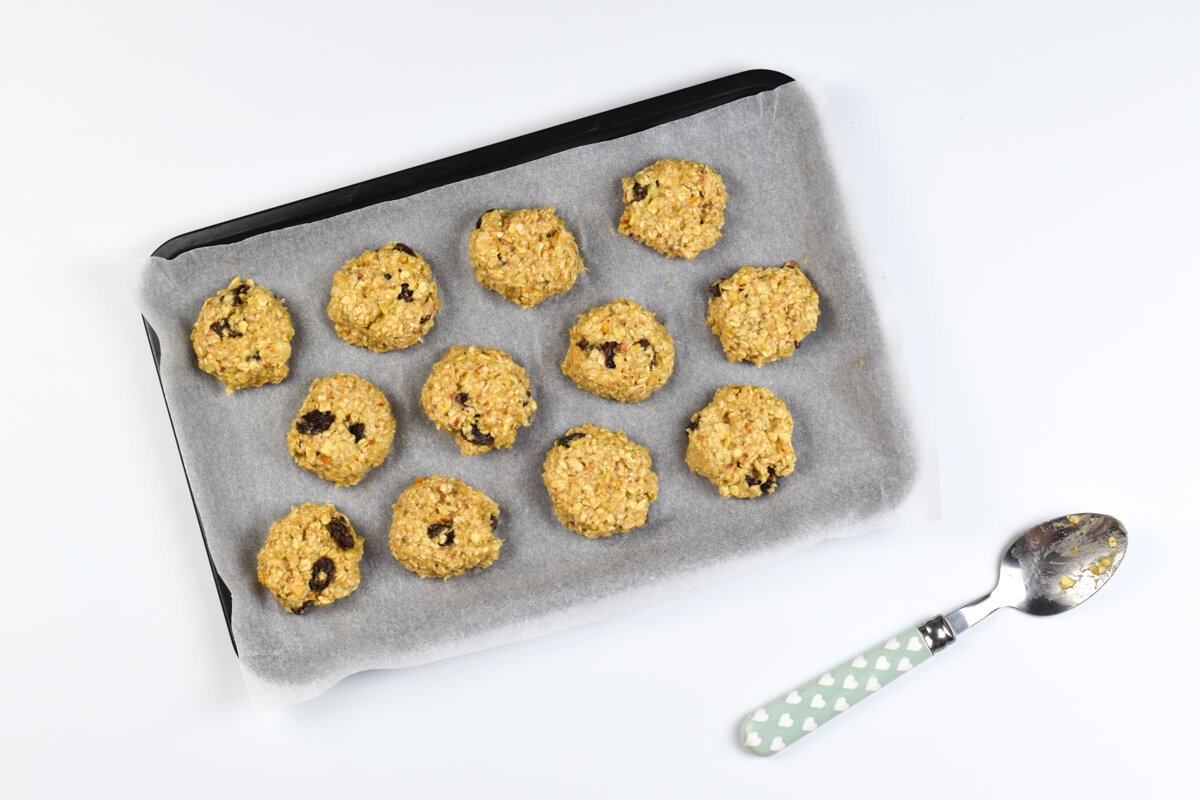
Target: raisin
x,y
714,288
752,481
403,248
301,609
771,482
795,345
494,521
387,276
565,441
691,426
610,350
255,356
441,531
314,422
461,398
322,574
645,344
405,293
639,192
479,222
358,431
476,436
425,319
341,534
238,291
223,330
584,345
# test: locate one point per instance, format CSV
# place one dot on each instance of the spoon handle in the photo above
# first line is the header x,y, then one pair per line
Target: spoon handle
x,y
801,711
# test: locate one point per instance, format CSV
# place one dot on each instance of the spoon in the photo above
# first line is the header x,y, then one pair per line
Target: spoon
x,y
1049,568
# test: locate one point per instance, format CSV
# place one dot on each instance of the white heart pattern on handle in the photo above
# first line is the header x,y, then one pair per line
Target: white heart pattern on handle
x,y
785,720
905,665
817,702
850,683
882,663
809,725
753,739
761,715
777,744
873,683
826,679
840,704
915,644
859,662
892,644
793,698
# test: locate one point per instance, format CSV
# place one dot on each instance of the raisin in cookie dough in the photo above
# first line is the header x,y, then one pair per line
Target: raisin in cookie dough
x,y
385,299
343,430
525,255
677,207
599,481
742,441
480,396
441,527
762,314
619,351
243,336
310,557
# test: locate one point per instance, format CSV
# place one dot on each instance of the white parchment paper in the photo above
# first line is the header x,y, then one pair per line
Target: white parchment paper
x,y
861,462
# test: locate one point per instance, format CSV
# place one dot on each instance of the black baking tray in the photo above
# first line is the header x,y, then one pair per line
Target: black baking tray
x,y
601,127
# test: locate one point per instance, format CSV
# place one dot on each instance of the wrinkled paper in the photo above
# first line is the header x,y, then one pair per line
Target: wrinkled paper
x,y
860,460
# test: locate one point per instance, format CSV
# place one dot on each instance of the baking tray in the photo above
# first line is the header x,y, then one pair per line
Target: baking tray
x,y
604,126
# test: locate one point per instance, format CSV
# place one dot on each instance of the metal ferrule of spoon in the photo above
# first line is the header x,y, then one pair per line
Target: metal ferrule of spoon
x,y
1048,569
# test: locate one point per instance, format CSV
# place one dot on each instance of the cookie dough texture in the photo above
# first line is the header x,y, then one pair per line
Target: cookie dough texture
x,y
441,527
526,255
675,206
619,351
742,441
310,557
480,396
343,430
762,314
243,336
385,299
599,481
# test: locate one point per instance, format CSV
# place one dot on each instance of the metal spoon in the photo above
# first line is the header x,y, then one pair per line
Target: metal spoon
x,y
1047,569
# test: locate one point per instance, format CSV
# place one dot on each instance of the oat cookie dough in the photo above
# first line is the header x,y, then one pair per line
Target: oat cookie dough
x,y
480,396
310,558
742,441
243,336
599,481
441,527
619,351
762,314
343,430
385,299
526,255
677,207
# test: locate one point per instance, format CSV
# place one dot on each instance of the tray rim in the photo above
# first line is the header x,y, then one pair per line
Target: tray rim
x,y
603,126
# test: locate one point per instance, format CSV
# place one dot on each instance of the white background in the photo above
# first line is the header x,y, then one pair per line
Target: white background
x,y
1024,180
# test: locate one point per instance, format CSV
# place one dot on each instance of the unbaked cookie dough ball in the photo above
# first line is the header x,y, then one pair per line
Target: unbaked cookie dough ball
x,y
441,527
343,430
385,299
677,207
599,481
762,314
480,396
310,557
619,351
243,336
526,255
742,441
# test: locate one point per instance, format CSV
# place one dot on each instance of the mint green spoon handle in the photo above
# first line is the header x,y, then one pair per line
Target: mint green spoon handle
x,y
801,711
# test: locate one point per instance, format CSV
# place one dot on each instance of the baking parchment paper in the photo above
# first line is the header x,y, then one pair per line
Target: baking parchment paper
x,y
861,460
